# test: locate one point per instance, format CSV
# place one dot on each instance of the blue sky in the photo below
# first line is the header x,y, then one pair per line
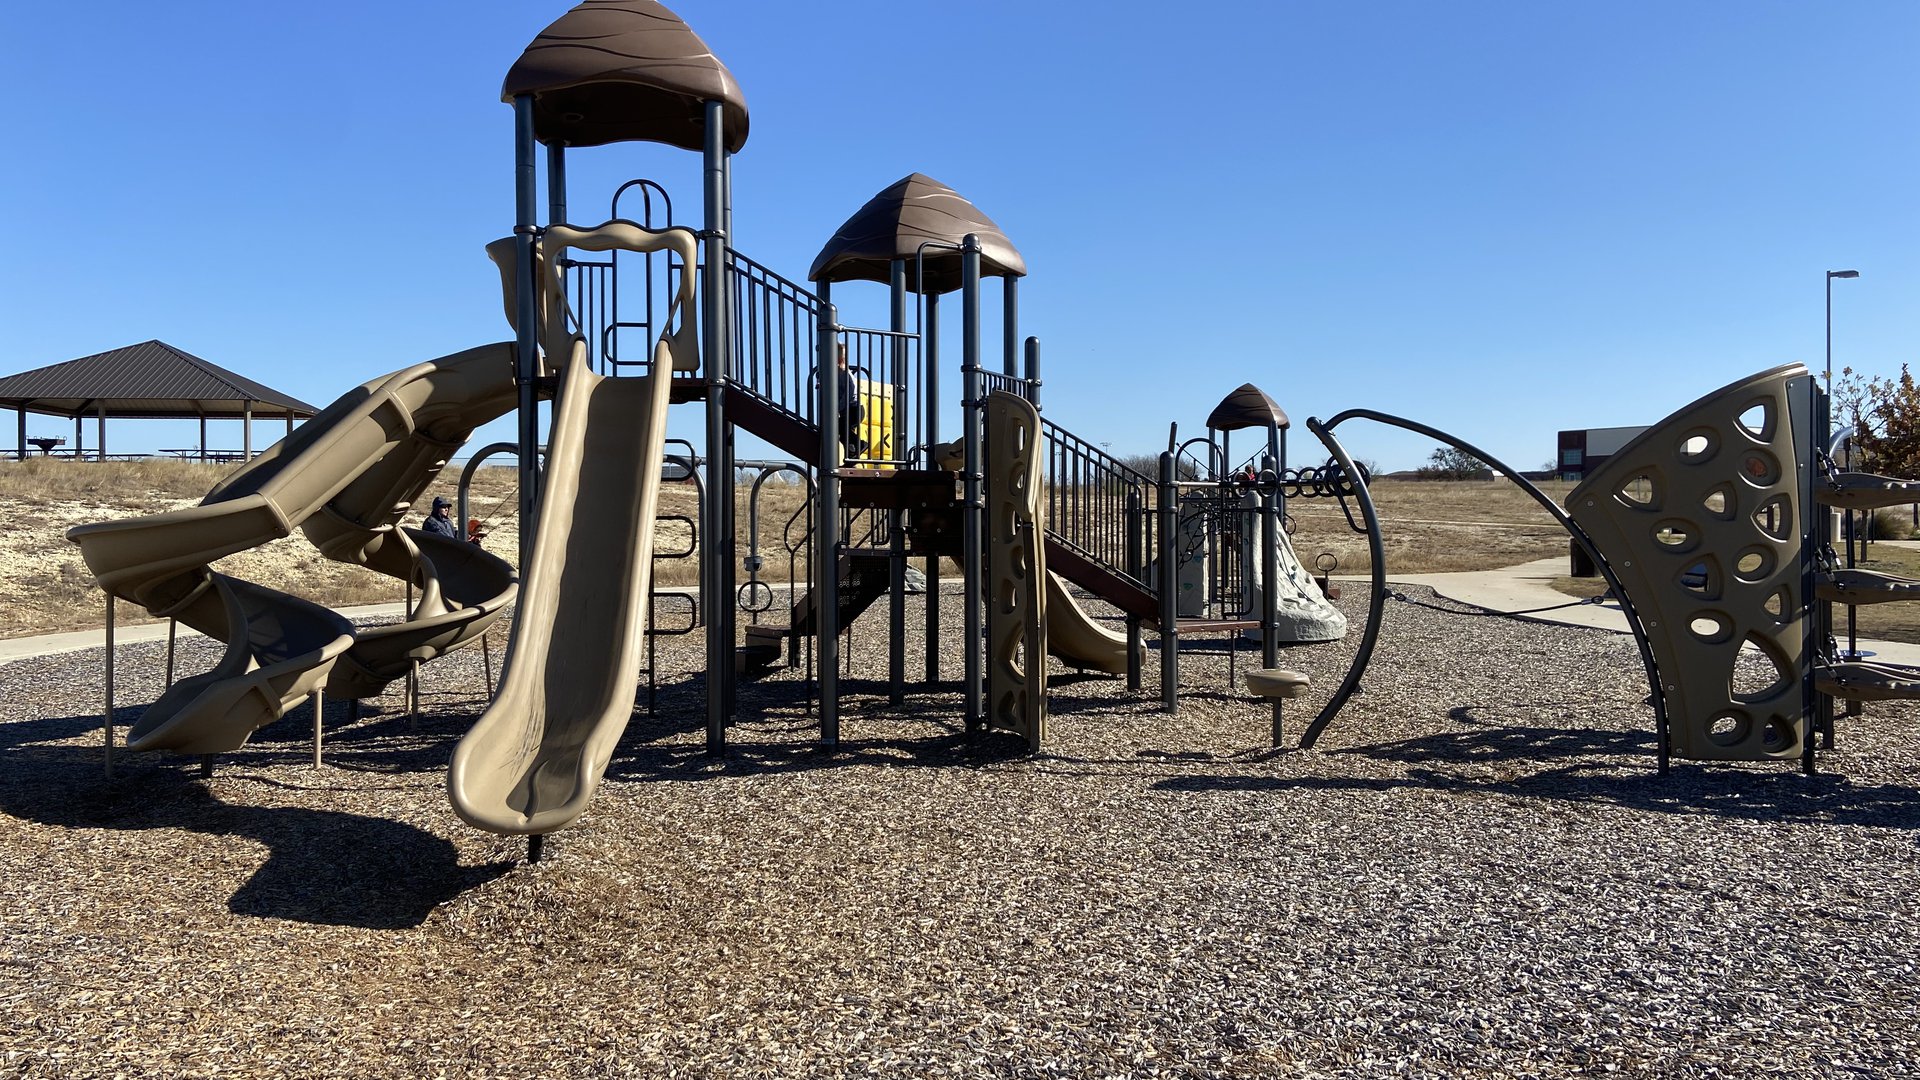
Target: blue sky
x,y
1500,219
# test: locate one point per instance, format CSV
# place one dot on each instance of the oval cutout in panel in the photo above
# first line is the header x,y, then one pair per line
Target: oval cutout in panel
x,y
1729,728
1780,737
1753,565
1698,446
1711,627
1759,468
1676,535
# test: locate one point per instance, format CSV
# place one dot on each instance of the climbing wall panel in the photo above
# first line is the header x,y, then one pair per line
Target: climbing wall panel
x,y
1702,519
1016,570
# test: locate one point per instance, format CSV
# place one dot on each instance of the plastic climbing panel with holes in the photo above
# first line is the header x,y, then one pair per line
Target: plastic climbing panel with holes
x,y
1703,518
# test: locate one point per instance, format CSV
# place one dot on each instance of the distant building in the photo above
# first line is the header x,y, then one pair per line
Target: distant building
x,y
1582,451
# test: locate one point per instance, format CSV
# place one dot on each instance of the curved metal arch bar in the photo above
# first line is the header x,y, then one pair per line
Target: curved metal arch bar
x,y
1377,600
1325,431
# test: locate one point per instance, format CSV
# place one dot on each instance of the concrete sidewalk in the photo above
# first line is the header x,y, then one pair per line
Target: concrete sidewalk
x,y
12,649
1525,587
1530,585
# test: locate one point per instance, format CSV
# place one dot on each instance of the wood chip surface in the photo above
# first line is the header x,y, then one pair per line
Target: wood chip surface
x,y
1477,873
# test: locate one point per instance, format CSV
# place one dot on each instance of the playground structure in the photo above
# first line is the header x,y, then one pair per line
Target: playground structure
x,y
651,315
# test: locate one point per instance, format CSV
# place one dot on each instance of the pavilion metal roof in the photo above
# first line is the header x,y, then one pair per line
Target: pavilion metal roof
x,y
150,380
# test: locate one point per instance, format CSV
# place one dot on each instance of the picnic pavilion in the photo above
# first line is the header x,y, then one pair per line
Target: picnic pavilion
x,y
149,381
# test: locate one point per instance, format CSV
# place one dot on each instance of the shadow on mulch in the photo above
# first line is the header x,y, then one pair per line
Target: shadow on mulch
x,y
322,866
1612,768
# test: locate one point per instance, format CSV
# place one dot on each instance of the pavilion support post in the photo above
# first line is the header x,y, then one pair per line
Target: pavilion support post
x,y
20,453
289,421
79,443
246,431
203,436
101,429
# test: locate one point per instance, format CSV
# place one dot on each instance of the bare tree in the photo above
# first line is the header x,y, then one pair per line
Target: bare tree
x,y
1447,463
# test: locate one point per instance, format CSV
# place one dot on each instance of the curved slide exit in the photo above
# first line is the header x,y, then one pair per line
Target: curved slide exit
x,y
534,759
1075,637
345,477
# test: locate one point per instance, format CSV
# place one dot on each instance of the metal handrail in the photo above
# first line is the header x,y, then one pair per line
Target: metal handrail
x,y
1093,500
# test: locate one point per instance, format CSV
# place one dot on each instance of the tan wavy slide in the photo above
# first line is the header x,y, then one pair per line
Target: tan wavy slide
x,y
534,759
1074,636
347,476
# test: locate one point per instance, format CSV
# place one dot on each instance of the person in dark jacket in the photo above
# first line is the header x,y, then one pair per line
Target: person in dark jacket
x,y
439,522
851,410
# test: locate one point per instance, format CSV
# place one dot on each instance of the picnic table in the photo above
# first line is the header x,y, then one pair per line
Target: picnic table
x,y
202,454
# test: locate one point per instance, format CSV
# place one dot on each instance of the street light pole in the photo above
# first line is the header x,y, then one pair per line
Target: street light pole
x,y
1853,634
1831,274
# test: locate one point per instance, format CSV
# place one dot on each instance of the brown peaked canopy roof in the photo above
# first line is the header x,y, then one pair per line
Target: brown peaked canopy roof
x,y
622,70
151,380
1247,407
897,221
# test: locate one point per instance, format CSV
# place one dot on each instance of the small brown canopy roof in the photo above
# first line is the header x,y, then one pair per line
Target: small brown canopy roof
x,y
1247,407
151,380
624,70
893,225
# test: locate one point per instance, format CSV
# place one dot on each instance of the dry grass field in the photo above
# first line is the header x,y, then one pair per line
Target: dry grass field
x,y
45,588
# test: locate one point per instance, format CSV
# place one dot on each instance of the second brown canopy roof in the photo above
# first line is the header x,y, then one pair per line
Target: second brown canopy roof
x,y
1246,407
895,223
623,70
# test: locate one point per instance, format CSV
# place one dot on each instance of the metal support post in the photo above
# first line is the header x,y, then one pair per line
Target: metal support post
x,y
526,321
716,598
1010,326
173,628
1033,372
896,535
826,528
1169,587
1136,566
930,365
319,699
107,716
1273,507
972,566
557,184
